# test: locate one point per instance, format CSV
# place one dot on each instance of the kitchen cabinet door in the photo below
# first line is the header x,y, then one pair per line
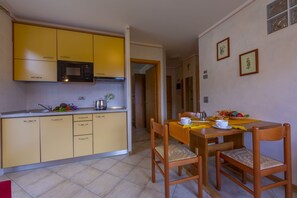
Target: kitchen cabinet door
x,y
56,137
108,56
20,141
83,145
31,70
109,132
75,46
35,42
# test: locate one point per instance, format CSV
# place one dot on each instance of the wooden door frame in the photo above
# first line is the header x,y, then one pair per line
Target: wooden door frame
x,y
158,69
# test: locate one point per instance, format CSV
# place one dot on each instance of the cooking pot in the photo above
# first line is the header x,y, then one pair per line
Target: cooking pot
x,y
100,105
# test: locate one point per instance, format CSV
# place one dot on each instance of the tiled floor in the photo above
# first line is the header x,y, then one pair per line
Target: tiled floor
x,y
113,177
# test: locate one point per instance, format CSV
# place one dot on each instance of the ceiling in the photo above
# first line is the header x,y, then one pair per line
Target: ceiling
x,y
174,24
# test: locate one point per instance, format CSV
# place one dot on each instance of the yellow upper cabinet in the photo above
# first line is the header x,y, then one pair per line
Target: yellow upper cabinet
x,y
75,46
109,56
35,42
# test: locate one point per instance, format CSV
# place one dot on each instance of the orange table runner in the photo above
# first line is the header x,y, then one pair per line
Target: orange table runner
x,y
182,133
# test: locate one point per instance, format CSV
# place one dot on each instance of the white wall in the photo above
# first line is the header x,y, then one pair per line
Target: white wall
x,y
156,53
12,94
268,95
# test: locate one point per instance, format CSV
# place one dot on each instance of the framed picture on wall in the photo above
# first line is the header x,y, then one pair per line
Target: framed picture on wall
x,y
248,63
223,49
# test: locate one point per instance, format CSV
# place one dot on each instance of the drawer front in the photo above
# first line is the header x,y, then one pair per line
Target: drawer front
x,y
82,117
82,128
83,145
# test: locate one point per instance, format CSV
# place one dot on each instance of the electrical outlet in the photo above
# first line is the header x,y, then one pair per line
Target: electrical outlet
x,y
205,99
81,98
205,76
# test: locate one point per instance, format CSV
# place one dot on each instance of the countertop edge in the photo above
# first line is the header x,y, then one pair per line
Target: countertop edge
x,y
80,111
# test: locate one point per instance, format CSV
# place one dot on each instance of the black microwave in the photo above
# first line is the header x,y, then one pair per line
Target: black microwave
x,y
71,71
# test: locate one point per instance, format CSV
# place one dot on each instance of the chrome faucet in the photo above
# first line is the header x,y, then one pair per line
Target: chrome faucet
x,y
47,107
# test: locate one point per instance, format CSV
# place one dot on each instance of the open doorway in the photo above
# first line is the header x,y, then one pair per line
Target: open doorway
x,y
145,96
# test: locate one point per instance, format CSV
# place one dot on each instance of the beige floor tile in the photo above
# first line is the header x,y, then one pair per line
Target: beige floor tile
x,y
159,184
119,157
86,176
125,190
150,193
90,162
70,170
44,184
103,184
120,169
139,176
32,177
66,189
56,168
20,194
85,194
187,189
146,163
105,164
15,175
133,159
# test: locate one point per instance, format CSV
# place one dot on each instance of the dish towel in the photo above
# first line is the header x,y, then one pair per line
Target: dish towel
x,y
195,126
239,127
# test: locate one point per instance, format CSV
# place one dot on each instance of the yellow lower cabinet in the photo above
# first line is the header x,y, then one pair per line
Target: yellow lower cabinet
x,y
82,128
83,145
109,132
20,141
56,137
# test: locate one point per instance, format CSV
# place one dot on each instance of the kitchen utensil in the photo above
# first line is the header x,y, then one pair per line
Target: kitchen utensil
x,y
100,105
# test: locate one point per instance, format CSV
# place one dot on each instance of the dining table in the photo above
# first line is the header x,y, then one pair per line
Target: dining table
x,y
197,134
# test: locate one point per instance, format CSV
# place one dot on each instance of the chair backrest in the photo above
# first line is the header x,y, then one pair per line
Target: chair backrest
x,y
161,130
186,114
272,134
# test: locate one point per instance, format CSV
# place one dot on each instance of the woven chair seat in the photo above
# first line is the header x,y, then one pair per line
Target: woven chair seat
x,y
176,152
245,156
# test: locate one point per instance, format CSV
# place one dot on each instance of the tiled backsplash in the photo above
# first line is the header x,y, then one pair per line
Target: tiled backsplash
x,y
55,93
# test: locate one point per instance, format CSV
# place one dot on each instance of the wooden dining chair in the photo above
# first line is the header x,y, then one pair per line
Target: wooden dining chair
x,y
172,155
252,162
193,115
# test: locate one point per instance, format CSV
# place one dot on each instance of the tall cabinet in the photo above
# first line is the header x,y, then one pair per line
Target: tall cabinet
x,y
35,53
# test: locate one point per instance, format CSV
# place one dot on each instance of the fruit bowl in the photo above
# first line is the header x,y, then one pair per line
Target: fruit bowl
x,y
235,115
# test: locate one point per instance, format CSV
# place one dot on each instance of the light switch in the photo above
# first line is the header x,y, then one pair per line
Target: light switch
x,y
205,99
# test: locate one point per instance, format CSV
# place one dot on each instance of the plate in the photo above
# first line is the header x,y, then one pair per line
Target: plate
x,y
228,127
183,124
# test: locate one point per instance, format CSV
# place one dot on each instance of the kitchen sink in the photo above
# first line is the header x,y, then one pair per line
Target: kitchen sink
x,y
38,111
116,108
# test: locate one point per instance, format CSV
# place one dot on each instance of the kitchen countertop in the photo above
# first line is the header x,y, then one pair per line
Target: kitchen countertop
x,y
42,112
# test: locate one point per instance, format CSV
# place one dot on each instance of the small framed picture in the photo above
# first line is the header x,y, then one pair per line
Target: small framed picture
x,y
248,63
223,49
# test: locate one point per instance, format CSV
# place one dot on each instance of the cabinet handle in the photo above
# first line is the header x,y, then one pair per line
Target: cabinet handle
x,y
101,74
64,56
48,57
83,124
82,117
85,138
36,77
29,121
99,116
57,119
